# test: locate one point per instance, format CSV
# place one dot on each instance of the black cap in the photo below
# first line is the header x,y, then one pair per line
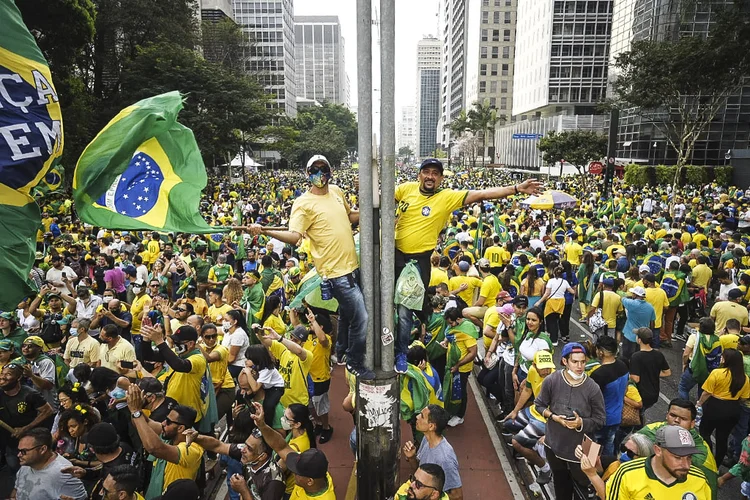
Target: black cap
x,y
102,434
521,301
735,293
432,162
185,333
300,332
650,278
311,463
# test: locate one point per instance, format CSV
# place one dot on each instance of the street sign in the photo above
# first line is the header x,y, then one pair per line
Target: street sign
x,y
596,167
528,136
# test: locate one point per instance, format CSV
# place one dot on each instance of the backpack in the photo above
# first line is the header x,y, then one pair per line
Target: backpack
x,y
61,368
51,333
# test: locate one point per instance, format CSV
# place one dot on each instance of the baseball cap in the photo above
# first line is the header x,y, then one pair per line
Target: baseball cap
x,y
608,282
572,347
645,334
676,440
650,278
102,434
432,162
300,332
34,339
543,360
316,159
644,269
483,263
639,291
505,296
295,271
6,315
735,293
521,301
311,463
6,345
185,333
38,256
464,266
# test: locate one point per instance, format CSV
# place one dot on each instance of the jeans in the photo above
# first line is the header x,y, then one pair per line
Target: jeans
x,y
565,321
352,334
464,394
233,467
606,437
686,383
656,332
553,325
492,380
405,316
628,349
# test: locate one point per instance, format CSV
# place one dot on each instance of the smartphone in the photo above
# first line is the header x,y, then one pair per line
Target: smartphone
x,y
127,364
64,274
570,419
590,448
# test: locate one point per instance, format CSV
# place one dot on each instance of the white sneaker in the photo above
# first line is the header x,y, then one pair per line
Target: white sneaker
x,y
455,420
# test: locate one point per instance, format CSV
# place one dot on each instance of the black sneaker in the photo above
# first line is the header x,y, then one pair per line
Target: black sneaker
x,y
325,435
317,430
361,372
341,359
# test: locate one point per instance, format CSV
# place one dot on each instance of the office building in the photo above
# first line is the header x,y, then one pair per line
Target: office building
x,y
641,139
214,10
319,59
452,32
407,131
270,27
428,94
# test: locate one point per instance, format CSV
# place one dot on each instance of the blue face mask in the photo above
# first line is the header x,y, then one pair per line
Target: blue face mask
x,y
624,457
319,180
74,332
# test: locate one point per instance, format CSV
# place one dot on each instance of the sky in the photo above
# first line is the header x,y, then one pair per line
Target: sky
x,y
414,20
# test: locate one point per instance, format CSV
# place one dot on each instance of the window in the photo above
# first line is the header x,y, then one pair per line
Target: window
x,y
557,29
598,72
485,3
482,86
496,50
483,52
580,7
496,17
555,51
602,29
506,52
559,7
507,18
576,72
493,102
554,72
504,87
506,35
505,70
590,28
565,72
493,87
495,35
577,50
503,103
485,17
483,69
484,35
578,30
568,29
493,71
587,71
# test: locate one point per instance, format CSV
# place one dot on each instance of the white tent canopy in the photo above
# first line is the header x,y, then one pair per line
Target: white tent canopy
x,y
249,162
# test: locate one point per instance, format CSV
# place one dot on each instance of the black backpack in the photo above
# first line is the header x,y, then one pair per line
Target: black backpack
x,y
51,332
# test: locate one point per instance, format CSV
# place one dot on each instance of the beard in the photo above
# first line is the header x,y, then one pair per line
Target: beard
x,y
680,474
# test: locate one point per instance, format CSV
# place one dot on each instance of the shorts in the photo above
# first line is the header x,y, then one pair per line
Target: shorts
x,y
745,488
529,435
320,400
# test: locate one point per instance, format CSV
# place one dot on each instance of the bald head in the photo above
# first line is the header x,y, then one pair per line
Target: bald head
x,y
114,305
195,321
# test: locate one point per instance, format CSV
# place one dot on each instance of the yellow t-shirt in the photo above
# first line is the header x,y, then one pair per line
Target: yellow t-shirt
x,y
701,276
152,251
324,219
725,310
534,382
573,252
136,308
294,372
468,294
729,341
490,289
420,218
438,276
186,467
636,480
217,313
657,298
612,305
77,351
185,388
200,307
491,319
276,323
300,494
320,369
464,342
718,382
122,351
495,255
299,444
219,372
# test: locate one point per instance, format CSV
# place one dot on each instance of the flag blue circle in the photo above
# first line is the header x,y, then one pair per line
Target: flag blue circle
x,y
138,188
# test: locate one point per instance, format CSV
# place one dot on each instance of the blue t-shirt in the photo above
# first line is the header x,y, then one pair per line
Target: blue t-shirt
x,y
612,379
444,456
640,314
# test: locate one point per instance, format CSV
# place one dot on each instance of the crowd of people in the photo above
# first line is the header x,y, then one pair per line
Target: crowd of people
x,y
140,346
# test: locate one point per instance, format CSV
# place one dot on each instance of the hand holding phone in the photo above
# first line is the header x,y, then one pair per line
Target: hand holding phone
x,y
590,448
127,364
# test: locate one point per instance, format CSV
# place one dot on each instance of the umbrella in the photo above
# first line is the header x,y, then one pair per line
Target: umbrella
x,y
550,199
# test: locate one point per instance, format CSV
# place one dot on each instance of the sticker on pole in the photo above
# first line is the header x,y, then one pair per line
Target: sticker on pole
x,y
387,336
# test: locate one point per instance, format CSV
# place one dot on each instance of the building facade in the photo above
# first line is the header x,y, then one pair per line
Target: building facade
x,y
452,33
320,67
427,109
639,138
407,130
562,57
270,27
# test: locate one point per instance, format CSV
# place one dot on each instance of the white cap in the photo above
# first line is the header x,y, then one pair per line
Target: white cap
x,y
317,158
639,291
644,269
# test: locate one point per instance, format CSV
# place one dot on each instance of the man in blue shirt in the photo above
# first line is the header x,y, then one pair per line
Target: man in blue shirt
x,y
640,314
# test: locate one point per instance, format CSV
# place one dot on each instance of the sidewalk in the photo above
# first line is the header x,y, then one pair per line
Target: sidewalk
x,y
480,469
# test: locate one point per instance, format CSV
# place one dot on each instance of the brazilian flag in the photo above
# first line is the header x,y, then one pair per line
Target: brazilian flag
x,y
500,229
51,182
558,235
30,143
143,171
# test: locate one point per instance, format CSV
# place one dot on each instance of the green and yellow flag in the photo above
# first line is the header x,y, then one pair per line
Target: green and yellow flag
x,y
51,183
143,171
31,141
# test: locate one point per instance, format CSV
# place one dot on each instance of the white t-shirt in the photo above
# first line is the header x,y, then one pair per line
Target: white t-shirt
x,y
648,205
270,378
529,347
679,210
237,338
724,291
55,276
558,287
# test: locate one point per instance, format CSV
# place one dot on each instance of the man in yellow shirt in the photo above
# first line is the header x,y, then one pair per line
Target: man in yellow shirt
x,y
218,308
294,363
141,303
318,342
462,285
489,290
573,250
496,254
727,309
657,298
324,216
438,273
701,275
465,336
423,210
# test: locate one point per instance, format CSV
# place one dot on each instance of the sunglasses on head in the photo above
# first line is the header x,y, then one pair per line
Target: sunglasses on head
x,y
319,168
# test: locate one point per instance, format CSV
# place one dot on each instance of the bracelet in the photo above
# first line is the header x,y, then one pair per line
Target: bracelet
x,y
515,187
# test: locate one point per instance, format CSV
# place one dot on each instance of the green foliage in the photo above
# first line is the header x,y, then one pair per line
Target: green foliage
x,y
460,124
723,175
405,151
665,174
695,175
577,147
337,114
636,175
322,138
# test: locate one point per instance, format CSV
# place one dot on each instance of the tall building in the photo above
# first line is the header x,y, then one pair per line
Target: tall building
x,y
428,94
319,59
214,10
270,27
452,31
641,139
407,130
562,57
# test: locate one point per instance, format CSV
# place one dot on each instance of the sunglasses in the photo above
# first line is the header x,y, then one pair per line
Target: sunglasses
x,y
419,484
210,336
182,310
315,169
172,422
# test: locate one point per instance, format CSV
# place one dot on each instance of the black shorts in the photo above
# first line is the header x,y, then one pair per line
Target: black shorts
x,y
320,388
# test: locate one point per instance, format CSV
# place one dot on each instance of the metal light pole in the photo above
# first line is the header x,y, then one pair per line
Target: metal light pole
x,y
378,429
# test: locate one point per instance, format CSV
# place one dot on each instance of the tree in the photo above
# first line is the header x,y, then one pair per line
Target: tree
x,y
467,146
577,147
337,114
405,151
460,124
681,84
224,43
482,120
322,138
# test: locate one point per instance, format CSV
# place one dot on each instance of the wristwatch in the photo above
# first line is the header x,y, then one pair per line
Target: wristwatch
x,y
136,414
516,188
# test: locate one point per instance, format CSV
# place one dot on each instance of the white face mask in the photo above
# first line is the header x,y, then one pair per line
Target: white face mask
x,y
107,298
575,376
73,331
285,423
226,325
137,290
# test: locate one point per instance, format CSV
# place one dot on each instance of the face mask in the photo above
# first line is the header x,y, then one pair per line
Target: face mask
x,y
226,325
624,457
318,180
148,366
285,423
574,375
73,332
180,348
107,298
137,290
